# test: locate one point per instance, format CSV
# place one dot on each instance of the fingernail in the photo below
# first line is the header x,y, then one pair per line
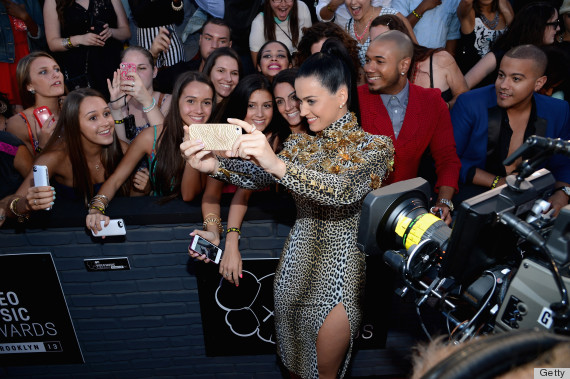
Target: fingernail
x,y
240,276
237,285
51,203
54,197
53,189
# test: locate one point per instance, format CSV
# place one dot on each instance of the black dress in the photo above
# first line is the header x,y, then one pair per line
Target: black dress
x,y
89,66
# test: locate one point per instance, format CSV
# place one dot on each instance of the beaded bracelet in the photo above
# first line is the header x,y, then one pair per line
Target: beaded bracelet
x,y
69,44
118,122
229,230
100,209
418,16
495,182
150,107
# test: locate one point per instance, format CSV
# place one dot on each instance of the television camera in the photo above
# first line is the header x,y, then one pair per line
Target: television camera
x,y
504,265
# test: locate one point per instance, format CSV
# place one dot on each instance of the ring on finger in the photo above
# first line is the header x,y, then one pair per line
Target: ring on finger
x,y
35,202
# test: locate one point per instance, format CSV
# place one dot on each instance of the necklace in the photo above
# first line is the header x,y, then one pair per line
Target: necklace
x,y
360,37
288,36
490,24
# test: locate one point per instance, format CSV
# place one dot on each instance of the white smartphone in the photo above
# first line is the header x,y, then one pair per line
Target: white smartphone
x,y
41,177
203,246
115,228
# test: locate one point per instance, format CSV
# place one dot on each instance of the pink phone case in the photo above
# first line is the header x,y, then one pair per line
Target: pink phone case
x,y
127,69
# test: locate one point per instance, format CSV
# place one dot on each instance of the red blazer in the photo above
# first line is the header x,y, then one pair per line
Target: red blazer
x,y
426,123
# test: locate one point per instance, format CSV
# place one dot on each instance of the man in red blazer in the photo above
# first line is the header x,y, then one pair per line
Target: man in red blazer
x,y
414,117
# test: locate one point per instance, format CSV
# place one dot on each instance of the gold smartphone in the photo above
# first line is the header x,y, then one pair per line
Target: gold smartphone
x,y
215,136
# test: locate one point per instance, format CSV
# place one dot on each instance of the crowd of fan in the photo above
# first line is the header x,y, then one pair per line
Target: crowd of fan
x,y
120,79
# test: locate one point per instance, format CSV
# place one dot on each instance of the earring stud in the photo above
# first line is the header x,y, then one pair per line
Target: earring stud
x,y
33,92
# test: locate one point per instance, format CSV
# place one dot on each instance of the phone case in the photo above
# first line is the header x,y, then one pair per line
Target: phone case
x,y
215,136
127,69
203,246
41,177
42,114
115,228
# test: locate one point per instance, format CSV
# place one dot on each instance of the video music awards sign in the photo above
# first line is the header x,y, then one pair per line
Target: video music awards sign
x,y
35,326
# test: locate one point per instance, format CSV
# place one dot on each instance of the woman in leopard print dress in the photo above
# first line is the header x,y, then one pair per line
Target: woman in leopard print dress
x,y
321,273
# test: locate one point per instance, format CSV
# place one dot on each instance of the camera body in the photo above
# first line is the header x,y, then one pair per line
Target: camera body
x,y
493,269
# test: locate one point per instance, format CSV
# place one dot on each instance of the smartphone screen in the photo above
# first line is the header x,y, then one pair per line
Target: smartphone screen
x,y
203,246
42,115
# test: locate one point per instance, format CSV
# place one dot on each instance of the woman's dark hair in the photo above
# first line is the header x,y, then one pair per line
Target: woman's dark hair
x,y
335,48
325,30
333,68
67,137
169,166
289,57
23,76
239,100
477,7
421,53
60,7
527,27
141,50
269,22
287,76
8,112
221,52
557,70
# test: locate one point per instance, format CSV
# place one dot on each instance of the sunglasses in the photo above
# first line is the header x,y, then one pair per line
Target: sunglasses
x,y
554,24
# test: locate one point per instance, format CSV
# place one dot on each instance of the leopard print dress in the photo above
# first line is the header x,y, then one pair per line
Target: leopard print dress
x,y
328,175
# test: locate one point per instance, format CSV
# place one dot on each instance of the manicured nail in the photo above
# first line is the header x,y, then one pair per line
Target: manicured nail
x,y
53,189
51,203
54,197
241,276
237,285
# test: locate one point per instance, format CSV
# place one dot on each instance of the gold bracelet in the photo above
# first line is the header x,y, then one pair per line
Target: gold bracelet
x,y
418,16
22,217
213,220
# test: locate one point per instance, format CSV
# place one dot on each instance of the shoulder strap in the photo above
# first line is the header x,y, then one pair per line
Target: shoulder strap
x,y
30,135
431,71
161,99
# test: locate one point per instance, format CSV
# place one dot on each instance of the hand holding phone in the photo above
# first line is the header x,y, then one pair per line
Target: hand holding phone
x,y
42,115
41,177
215,136
98,26
115,228
205,247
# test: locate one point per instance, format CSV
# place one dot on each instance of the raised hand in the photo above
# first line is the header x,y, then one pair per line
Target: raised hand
x,y
115,91
255,147
193,152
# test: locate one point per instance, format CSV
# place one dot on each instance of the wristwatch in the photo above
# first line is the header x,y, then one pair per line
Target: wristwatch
x,y
448,203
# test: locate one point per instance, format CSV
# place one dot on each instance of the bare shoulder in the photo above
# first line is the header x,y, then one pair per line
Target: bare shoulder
x,y
443,59
16,125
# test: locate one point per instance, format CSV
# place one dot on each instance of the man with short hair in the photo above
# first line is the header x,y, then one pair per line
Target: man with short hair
x,y
435,22
491,122
215,33
415,118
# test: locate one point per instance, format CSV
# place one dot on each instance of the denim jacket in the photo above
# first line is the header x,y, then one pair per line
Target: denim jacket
x,y
7,52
